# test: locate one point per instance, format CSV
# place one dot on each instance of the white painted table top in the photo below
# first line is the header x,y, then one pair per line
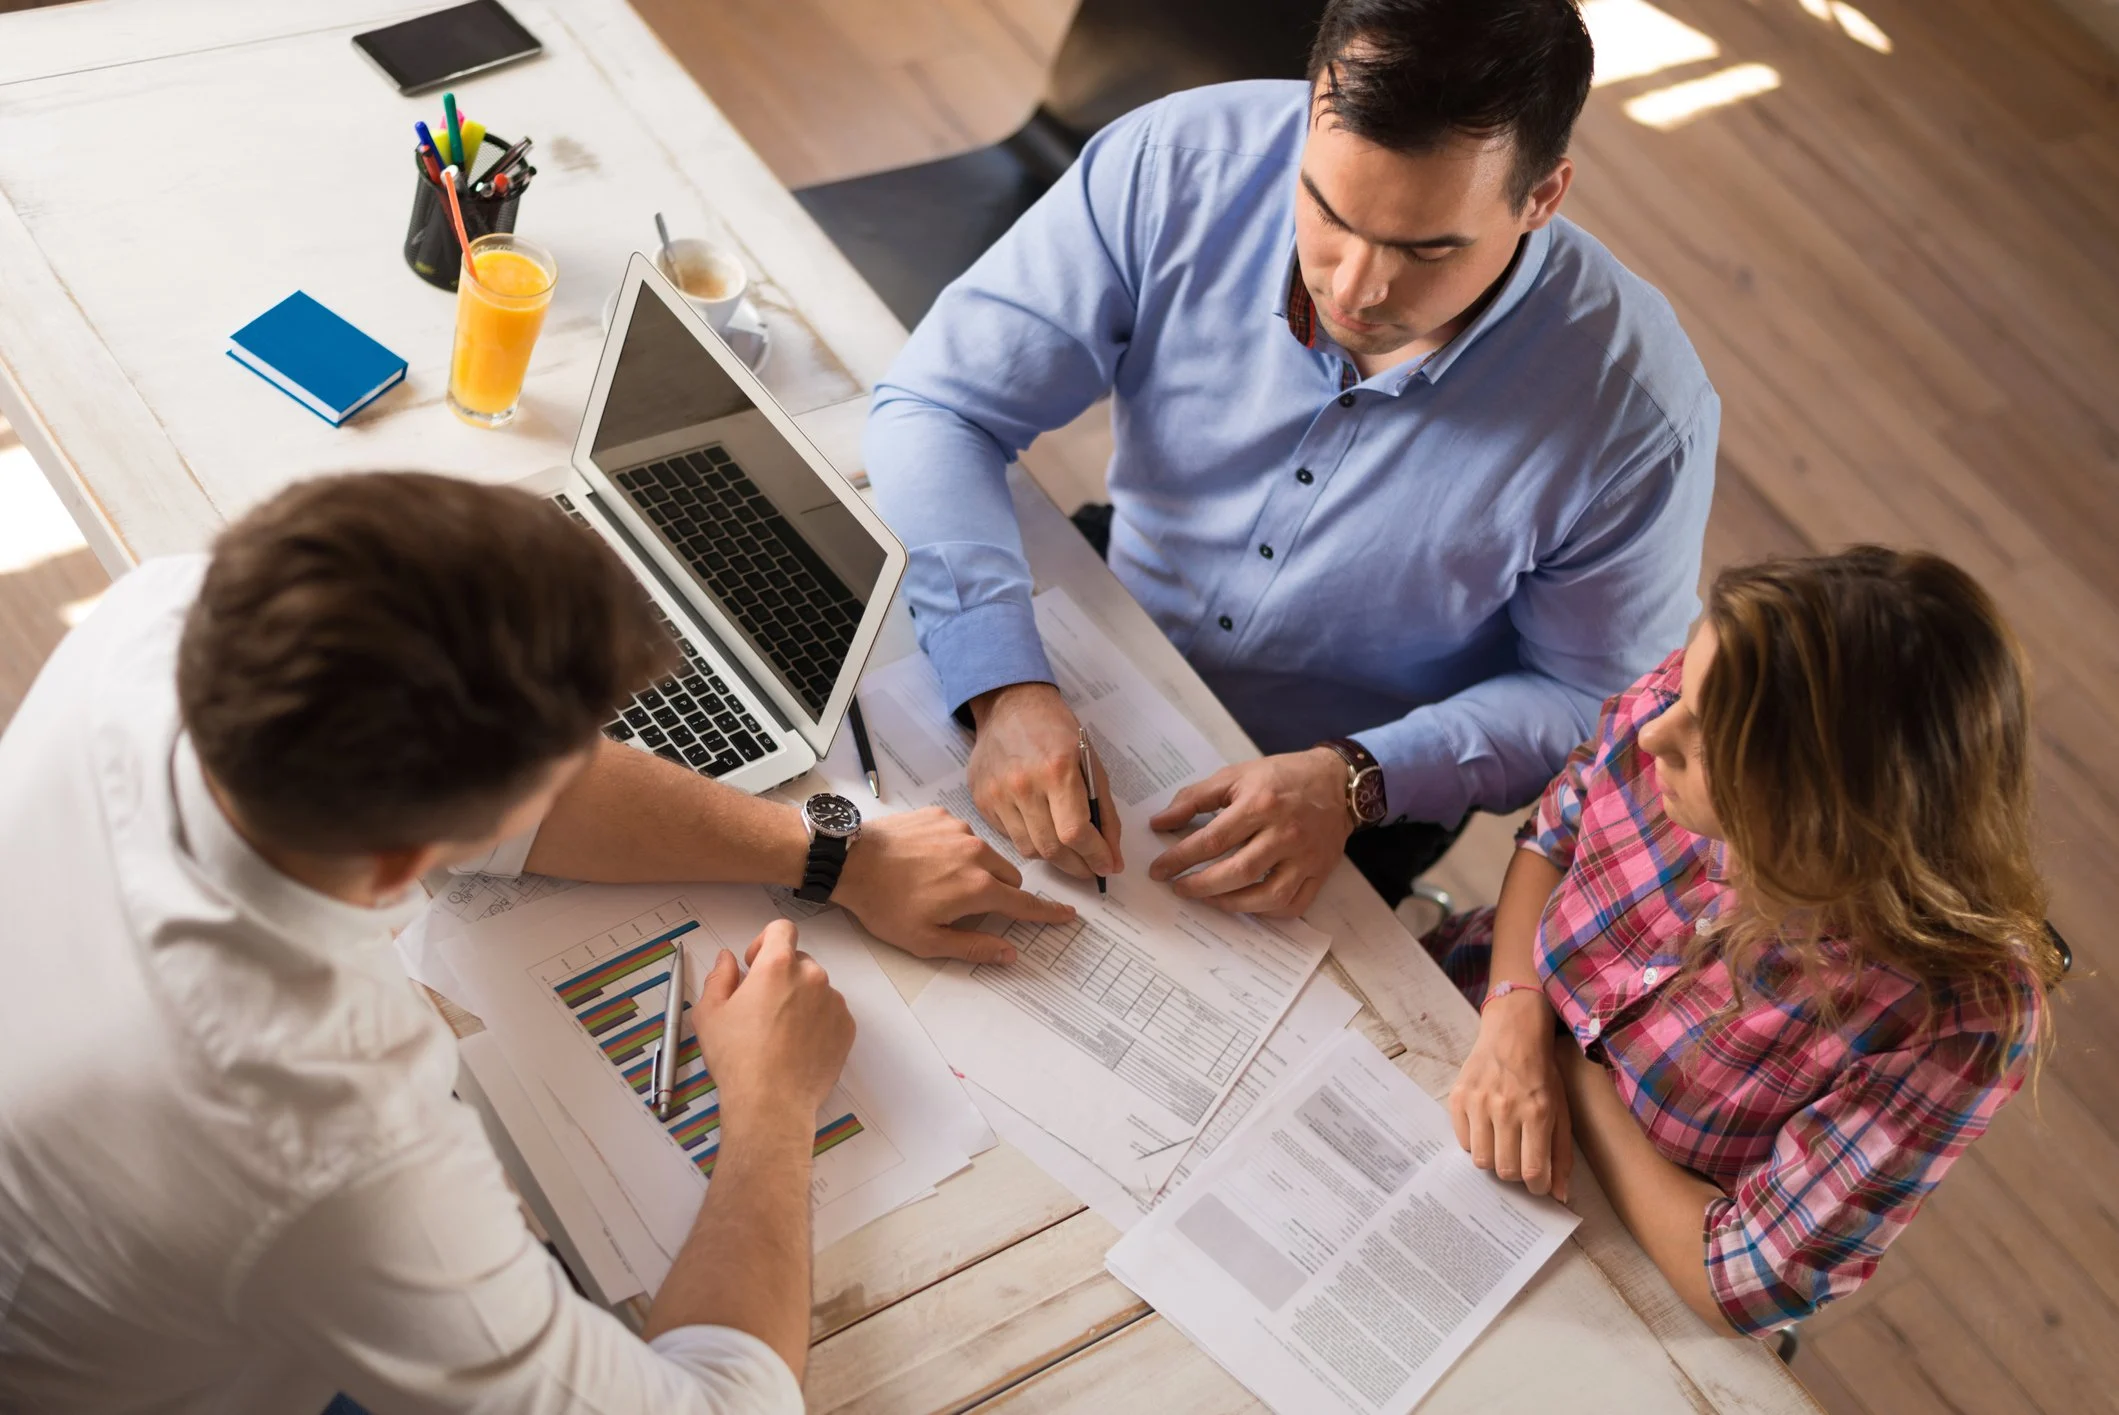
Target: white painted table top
x,y
171,168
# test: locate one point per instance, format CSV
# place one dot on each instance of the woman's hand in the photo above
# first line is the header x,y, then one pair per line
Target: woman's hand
x,y
1510,1103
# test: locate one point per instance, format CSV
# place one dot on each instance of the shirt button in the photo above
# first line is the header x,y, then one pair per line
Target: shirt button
x,y
1226,622
1649,976
1304,475
1346,400
1592,1027
1266,551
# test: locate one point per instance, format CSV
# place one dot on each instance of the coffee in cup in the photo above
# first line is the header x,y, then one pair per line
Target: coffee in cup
x,y
711,279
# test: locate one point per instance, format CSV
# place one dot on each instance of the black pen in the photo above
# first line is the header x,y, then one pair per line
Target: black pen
x,y
1096,810
860,746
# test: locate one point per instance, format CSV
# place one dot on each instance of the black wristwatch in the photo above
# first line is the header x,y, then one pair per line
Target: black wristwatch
x,y
833,823
1364,782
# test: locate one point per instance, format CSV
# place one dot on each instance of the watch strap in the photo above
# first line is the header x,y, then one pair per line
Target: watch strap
x,y
820,873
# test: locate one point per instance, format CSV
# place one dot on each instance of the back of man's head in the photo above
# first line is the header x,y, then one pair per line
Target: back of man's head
x,y
389,660
1410,74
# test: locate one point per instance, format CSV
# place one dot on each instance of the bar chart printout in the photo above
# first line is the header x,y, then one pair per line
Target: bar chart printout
x,y
615,988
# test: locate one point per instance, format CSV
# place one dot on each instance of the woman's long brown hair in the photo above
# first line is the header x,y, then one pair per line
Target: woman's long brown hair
x,y
1865,733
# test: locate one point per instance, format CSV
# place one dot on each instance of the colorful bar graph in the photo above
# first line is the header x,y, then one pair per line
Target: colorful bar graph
x,y
633,1041
589,984
837,1133
694,1128
641,1074
613,1009
625,1013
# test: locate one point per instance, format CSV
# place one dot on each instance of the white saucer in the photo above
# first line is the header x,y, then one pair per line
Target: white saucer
x,y
746,334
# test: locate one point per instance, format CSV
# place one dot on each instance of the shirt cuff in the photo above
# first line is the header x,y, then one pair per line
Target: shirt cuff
x,y
985,647
1422,778
1754,1297
505,859
740,1374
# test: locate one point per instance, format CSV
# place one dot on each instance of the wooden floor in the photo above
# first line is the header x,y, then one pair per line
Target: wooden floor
x,y
1902,271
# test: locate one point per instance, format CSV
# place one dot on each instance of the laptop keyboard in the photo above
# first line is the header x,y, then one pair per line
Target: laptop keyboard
x,y
690,716
794,608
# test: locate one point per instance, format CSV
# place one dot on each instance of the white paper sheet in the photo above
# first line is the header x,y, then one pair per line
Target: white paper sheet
x,y
611,1277
891,1131
1339,1252
475,897
1321,1010
1123,1031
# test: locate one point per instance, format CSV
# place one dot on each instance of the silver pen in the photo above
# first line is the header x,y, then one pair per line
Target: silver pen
x,y
672,1025
1096,807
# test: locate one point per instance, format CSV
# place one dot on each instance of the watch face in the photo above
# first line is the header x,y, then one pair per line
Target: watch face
x,y
832,815
1368,796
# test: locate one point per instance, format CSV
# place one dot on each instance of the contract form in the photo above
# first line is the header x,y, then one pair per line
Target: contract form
x,y
1121,1031
1321,1011
1339,1251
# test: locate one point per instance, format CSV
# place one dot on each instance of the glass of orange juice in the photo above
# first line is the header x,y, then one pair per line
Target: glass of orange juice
x,y
501,296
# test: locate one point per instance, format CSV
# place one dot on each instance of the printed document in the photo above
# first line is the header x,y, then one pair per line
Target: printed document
x,y
574,987
1339,1251
1122,1031
1321,1011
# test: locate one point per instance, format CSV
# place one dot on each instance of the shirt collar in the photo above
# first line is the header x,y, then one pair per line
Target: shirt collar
x,y
300,915
1300,312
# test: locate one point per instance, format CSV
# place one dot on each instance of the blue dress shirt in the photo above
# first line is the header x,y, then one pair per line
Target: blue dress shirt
x,y
1453,562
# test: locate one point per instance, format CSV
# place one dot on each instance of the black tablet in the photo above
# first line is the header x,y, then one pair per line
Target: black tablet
x,y
435,49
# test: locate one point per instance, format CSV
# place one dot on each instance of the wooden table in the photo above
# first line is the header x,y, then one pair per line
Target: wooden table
x,y
171,168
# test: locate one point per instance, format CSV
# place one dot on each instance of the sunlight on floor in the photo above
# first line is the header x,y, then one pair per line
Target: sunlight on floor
x,y
34,527
1852,23
1634,39
1667,108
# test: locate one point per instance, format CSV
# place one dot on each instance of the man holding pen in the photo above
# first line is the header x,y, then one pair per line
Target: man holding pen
x,y
1408,466
232,1174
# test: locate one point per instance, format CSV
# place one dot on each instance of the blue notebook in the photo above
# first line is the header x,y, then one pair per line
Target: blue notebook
x,y
316,358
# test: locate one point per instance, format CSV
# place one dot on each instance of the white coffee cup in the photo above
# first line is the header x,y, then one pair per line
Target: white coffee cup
x,y
711,280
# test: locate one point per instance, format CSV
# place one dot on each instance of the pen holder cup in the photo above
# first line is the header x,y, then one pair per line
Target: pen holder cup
x,y
431,248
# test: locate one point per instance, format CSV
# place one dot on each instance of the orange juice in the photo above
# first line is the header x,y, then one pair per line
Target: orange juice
x,y
501,297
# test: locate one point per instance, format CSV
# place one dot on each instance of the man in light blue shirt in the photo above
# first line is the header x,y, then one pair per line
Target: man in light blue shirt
x,y
1413,471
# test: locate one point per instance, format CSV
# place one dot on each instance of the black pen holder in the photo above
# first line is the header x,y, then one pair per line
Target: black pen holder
x,y
431,248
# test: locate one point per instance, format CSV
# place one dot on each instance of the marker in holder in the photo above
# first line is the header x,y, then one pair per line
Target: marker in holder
x,y
430,241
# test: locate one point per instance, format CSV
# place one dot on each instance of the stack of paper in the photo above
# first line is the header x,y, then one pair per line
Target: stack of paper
x,y
1113,1042
573,989
1340,1251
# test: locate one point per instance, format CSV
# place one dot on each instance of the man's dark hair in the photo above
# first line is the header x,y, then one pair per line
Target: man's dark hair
x,y
392,659
1407,74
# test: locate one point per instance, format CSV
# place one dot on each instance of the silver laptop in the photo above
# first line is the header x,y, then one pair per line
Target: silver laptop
x,y
765,565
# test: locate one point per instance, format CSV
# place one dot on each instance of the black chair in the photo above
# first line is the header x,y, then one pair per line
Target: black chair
x,y
912,230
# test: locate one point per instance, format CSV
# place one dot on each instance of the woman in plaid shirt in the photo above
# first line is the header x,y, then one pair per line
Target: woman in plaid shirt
x,y
1772,952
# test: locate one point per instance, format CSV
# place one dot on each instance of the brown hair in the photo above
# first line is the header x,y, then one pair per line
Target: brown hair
x,y
1865,732
392,659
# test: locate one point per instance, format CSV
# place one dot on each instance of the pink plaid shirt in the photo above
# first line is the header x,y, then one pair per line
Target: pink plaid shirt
x,y
1824,1138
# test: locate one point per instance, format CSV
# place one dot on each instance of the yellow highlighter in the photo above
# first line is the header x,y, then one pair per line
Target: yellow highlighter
x,y
474,134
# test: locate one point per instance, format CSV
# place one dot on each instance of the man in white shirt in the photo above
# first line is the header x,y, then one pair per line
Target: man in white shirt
x,y
232,1174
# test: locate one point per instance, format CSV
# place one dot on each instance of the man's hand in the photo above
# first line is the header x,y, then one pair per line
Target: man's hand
x,y
909,877
1509,1105
1026,778
775,1038
1284,818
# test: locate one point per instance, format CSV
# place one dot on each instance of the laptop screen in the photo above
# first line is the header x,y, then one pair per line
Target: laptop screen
x,y
760,531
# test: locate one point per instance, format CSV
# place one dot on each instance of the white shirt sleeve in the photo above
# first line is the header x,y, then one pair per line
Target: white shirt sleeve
x,y
420,1289
507,858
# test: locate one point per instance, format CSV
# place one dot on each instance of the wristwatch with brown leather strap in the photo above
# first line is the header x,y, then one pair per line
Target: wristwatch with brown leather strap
x,y
1364,782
